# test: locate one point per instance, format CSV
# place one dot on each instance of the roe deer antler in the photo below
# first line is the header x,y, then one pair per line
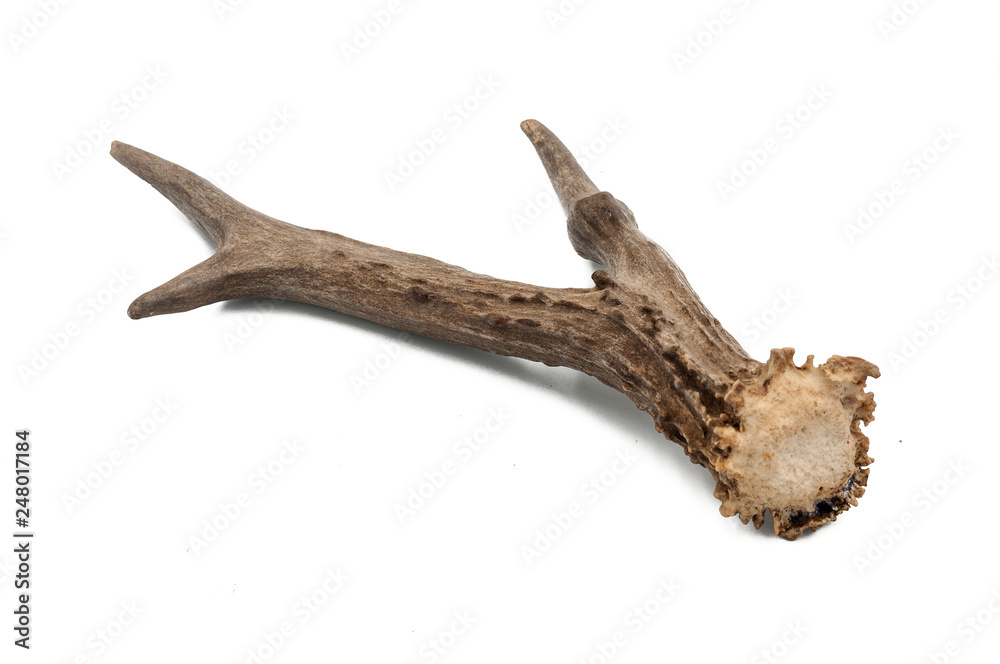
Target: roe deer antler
x,y
774,436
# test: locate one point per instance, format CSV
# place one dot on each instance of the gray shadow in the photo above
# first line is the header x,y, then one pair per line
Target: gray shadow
x,y
580,389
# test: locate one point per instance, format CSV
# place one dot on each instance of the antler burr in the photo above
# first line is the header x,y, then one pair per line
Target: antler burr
x,y
774,436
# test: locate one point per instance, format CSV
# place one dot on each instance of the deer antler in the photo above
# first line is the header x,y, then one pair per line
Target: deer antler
x,y
774,436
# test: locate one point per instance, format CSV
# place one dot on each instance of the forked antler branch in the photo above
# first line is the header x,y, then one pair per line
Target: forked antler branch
x,y
774,436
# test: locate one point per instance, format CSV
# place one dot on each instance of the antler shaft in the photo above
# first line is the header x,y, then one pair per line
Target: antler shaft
x,y
258,256
641,330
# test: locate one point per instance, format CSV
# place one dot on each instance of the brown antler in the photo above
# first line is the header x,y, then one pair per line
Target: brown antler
x,y
775,436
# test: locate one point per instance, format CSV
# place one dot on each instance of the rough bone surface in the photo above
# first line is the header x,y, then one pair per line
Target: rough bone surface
x,y
774,436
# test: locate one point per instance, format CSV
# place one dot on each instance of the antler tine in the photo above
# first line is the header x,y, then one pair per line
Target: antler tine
x,y
601,227
568,178
215,212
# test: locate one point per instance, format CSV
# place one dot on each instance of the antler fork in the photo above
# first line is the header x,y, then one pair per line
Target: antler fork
x,y
774,436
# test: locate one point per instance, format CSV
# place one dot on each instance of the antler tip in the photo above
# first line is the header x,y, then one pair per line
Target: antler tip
x,y
120,150
531,128
136,310
130,156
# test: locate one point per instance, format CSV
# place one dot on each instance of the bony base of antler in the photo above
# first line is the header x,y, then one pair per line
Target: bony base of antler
x,y
775,436
798,450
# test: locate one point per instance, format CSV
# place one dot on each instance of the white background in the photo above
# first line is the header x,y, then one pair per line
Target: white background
x,y
893,579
